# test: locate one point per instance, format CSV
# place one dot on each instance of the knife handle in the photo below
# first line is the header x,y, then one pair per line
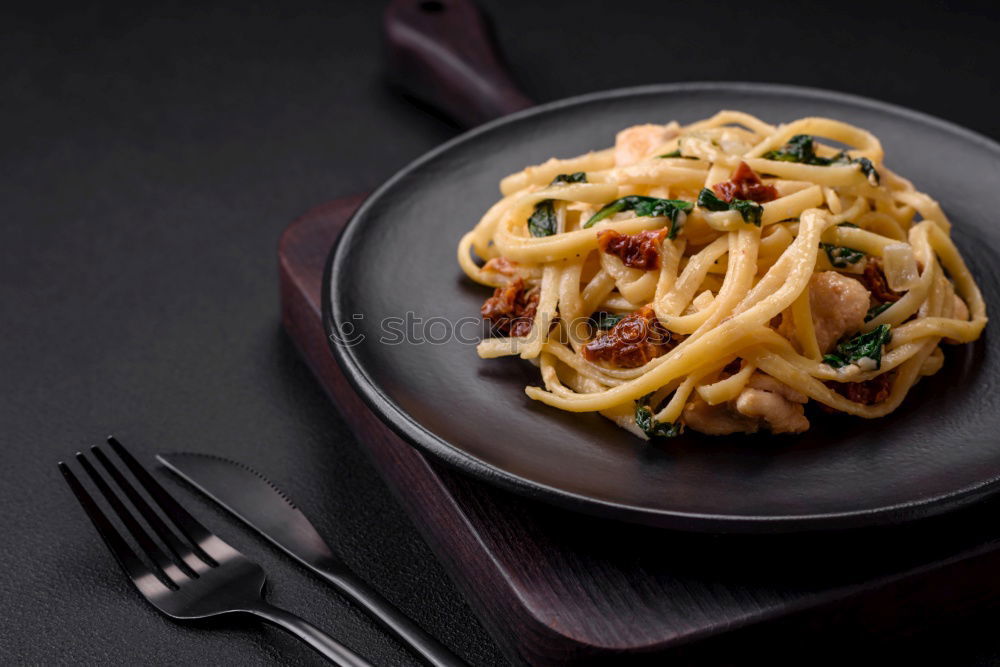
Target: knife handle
x,y
430,649
442,52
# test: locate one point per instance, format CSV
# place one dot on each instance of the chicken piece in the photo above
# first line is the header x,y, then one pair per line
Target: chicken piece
x,y
635,143
768,383
764,402
779,414
718,419
839,305
734,141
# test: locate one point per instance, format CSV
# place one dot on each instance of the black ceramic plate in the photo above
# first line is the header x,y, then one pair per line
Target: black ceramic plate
x,y
941,449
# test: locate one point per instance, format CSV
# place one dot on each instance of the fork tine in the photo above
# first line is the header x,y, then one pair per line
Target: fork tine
x,y
166,567
182,553
190,527
120,549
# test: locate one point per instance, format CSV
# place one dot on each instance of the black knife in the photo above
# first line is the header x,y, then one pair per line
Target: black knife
x,y
264,507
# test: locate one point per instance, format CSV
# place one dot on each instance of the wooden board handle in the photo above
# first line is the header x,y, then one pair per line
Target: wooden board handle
x,y
443,53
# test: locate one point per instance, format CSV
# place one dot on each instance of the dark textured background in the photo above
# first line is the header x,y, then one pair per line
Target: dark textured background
x,y
151,156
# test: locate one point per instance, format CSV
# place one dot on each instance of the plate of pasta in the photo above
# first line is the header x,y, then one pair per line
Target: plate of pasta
x,y
725,307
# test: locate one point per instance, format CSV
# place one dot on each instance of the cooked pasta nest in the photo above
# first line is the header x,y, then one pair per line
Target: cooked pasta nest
x,y
721,275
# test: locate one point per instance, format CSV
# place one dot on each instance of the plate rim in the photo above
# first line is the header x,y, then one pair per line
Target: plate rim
x,y
411,431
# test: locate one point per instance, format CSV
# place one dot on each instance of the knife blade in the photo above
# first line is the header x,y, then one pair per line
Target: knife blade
x,y
260,504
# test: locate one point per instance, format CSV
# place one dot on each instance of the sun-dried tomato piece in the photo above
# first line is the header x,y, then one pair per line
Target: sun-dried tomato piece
x,y
745,184
868,392
876,283
634,341
638,251
511,309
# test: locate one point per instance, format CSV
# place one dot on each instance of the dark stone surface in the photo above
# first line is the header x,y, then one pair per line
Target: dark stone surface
x,y
151,156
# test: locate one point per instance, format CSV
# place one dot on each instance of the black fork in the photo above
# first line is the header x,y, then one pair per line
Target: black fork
x,y
198,575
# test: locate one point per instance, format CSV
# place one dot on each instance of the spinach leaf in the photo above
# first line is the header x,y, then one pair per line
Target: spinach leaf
x,y
575,177
652,206
708,199
608,210
868,169
842,256
875,311
864,345
543,222
801,148
677,153
748,210
646,207
848,224
604,320
652,428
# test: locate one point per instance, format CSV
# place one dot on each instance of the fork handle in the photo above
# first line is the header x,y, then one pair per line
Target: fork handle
x,y
321,642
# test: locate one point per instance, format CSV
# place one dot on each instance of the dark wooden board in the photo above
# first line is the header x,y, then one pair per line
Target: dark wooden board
x,y
554,587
